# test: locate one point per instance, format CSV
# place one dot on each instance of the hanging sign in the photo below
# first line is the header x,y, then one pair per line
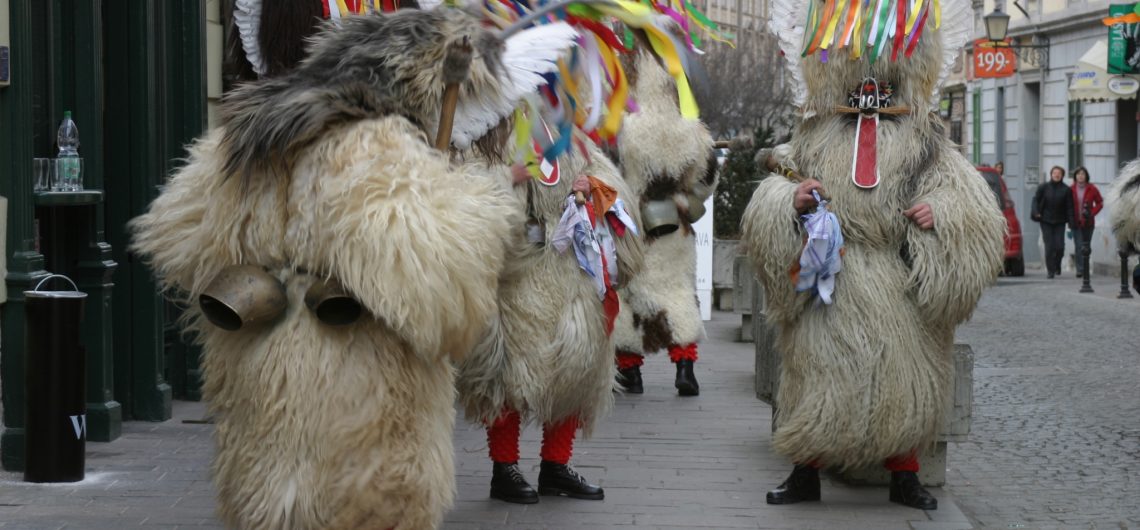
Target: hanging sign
x,y
1123,52
992,60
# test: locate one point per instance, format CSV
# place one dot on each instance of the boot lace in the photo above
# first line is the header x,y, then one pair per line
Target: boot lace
x,y
515,474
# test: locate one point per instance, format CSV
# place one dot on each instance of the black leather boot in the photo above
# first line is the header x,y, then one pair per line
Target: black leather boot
x,y
686,381
802,485
509,484
908,491
630,380
561,479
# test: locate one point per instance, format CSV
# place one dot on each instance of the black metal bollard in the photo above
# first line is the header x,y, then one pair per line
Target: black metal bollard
x,y
1123,252
1086,252
56,381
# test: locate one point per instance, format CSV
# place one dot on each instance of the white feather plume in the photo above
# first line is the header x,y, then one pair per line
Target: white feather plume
x,y
787,24
529,54
247,18
957,29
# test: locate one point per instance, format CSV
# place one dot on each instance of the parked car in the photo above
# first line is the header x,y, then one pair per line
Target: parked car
x,y
1014,260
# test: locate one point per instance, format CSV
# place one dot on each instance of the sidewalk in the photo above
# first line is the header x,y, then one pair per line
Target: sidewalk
x,y
665,462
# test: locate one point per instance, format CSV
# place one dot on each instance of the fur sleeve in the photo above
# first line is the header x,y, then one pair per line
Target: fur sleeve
x,y
630,248
190,231
772,240
420,243
955,261
1124,205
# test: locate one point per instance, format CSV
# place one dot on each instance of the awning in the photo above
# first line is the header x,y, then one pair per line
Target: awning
x,y
1092,82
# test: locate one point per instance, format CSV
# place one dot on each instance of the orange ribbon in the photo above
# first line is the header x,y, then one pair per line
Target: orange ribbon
x,y
603,196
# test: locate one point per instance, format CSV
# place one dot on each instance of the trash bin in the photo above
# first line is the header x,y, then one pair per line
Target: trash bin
x,y
56,384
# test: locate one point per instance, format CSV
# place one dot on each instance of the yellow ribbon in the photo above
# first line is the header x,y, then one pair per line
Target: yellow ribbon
x,y
831,24
913,16
616,107
665,49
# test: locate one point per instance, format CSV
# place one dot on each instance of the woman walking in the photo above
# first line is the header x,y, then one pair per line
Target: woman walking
x,y
1053,208
1087,202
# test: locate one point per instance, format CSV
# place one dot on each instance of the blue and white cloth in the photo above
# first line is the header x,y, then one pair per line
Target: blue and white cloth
x,y
591,242
820,260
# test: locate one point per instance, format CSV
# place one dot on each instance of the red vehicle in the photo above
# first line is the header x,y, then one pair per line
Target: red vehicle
x,y
1014,260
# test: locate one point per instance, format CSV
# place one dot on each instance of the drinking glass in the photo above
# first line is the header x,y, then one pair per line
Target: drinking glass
x,y
68,174
42,169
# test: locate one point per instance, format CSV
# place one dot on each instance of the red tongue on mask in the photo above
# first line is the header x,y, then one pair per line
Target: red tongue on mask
x,y
865,169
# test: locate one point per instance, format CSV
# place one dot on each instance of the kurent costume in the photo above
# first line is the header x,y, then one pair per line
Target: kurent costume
x,y
664,157
1124,201
865,376
549,357
333,261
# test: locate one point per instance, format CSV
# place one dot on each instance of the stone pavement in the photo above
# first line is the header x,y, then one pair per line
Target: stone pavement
x,y
666,462
1056,432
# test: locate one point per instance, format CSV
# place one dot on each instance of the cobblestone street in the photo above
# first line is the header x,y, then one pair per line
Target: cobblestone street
x,y
1056,430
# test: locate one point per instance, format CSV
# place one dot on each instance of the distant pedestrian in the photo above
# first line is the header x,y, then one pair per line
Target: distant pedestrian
x,y
1000,167
1053,208
1087,202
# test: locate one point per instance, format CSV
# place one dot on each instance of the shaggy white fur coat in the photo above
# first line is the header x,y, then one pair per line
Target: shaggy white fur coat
x,y
661,152
1124,202
548,355
337,427
868,377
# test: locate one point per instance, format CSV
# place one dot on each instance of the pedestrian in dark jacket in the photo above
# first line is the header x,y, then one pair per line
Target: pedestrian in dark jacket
x,y
1053,208
1087,202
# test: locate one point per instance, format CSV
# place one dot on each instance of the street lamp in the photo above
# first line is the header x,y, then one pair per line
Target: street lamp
x,y
997,27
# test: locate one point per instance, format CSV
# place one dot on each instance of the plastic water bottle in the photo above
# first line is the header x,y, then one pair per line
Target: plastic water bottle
x,y
68,163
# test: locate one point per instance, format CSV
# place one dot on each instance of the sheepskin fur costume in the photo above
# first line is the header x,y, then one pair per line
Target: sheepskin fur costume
x,y
868,377
548,355
321,427
1124,199
663,156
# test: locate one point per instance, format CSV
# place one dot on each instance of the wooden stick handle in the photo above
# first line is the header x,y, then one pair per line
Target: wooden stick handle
x,y
893,111
447,116
775,167
579,198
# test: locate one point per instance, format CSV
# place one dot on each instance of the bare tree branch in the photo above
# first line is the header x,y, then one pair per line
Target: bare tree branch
x,y
746,87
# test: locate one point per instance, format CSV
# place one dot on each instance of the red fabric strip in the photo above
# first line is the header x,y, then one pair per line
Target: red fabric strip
x,y
626,360
907,462
558,441
503,437
679,353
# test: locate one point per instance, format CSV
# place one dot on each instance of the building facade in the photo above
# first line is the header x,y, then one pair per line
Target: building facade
x,y
1031,121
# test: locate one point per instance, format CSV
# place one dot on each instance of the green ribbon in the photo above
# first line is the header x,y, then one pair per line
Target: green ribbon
x,y
814,29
